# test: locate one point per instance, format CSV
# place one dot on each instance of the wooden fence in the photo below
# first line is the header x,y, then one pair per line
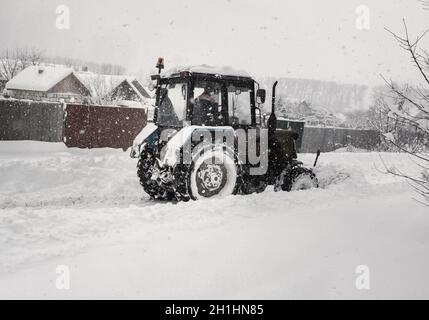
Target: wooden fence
x,y
85,126
98,127
28,120
330,139
80,126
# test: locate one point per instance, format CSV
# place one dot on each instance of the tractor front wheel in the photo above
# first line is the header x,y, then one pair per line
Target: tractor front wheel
x,y
152,186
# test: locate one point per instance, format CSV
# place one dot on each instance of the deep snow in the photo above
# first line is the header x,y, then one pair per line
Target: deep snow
x,y
85,209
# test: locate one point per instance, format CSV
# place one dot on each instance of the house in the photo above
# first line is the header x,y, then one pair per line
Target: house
x,y
130,89
58,83
48,83
113,89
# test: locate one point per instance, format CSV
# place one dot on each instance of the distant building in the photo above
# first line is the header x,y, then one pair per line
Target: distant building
x,y
47,83
56,83
113,89
312,115
130,89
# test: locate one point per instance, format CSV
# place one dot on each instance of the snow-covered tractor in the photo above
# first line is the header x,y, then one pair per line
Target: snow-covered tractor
x,y
208,137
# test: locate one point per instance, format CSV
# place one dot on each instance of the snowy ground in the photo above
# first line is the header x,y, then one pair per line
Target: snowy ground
x,y
85,210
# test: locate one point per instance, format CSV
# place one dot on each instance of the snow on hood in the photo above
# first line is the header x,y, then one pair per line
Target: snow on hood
x,y
148,129
170,154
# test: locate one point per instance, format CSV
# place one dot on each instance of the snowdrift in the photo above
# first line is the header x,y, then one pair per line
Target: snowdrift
x,y
86,209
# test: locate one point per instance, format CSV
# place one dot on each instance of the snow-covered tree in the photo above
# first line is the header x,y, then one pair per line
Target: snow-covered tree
x,y
101,89
12,61
357,119
407,108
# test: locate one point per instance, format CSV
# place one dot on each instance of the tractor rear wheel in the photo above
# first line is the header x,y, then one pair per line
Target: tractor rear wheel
x,y
214,173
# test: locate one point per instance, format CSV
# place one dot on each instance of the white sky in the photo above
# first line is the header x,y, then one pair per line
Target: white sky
x,y
301,38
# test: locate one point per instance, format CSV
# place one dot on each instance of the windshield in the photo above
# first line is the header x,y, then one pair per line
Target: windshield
x,y
207,103
172,104
239,104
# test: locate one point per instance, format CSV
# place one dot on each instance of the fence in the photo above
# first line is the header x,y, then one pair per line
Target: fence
x,y
22,120
98,127
79,126
329,139
86,126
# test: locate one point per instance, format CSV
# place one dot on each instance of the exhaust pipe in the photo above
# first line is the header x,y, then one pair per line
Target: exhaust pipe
x,y
273,98
272,120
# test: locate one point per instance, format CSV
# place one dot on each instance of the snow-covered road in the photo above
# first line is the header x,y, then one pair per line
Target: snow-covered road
x,y
85,210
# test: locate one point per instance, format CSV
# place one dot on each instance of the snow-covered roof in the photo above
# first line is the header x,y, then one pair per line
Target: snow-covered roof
x,y
99,84
102,84
143,92
224,71
42,78
38,78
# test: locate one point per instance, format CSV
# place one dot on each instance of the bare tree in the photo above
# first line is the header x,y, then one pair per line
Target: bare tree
x,y
425,4
12,61
382,119
378,115
357,119
408,107
101,87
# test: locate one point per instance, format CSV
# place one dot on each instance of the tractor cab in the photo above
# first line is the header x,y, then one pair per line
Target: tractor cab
x,y
206,96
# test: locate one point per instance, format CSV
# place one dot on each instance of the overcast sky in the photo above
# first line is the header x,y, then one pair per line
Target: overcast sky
x,y
301,38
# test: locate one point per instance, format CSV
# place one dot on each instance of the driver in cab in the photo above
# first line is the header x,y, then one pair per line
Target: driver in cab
x,y
206,109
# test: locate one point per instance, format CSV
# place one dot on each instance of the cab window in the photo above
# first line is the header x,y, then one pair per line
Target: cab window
x,y
207,103
239,105
172,110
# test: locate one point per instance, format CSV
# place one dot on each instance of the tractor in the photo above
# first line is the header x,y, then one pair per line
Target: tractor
x,y
208,137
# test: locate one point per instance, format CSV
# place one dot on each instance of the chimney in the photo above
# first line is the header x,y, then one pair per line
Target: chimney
x,y
85,69
41,70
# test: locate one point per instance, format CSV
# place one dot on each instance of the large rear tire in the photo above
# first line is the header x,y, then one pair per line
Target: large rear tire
x,y
214,173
